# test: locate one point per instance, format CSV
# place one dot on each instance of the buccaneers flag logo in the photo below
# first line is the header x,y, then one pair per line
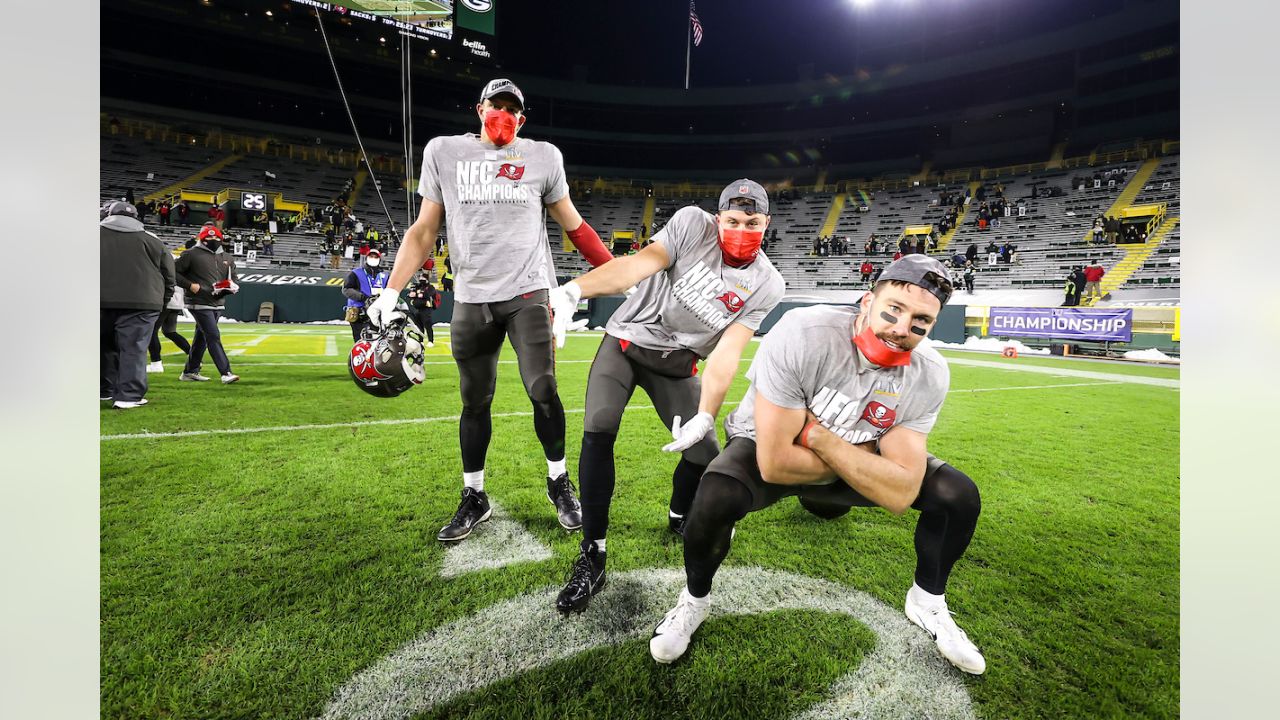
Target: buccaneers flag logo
x,y
511,172
731,301
362,362
879,415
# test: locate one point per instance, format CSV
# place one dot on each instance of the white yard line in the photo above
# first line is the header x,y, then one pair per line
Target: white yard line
x,y
331,346
1068,372
453,418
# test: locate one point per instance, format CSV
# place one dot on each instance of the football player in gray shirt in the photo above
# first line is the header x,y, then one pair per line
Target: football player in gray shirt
x,y
703,289
838,413
491,190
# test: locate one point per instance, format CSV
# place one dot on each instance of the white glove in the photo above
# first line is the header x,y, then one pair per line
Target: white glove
x,y
564,303
380,310
691,433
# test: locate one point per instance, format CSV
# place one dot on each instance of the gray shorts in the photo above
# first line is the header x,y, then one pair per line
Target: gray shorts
x,y
738,461
614,378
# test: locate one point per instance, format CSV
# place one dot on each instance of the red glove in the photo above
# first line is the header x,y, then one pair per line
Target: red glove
x,y
588,243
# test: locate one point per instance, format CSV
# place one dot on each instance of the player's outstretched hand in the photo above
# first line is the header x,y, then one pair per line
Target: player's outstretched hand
x,y
689,434
381,309
564,303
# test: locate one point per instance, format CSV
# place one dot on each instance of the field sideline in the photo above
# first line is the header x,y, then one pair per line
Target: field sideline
x,y
267,550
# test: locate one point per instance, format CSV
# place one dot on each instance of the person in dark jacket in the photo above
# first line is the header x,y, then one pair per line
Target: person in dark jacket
x,y
423,300
208,276
137,276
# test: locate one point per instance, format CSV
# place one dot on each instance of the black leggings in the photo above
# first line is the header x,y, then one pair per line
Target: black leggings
x,y
476,334
422,316
949,505
610,384
167,323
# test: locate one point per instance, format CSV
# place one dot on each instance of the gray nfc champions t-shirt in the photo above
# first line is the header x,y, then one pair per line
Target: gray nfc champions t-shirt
x,y
493,209
808,360
690,304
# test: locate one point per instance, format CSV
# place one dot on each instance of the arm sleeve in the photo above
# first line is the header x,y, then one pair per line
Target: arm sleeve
x,y
556,187
351,288
587,241
776,371
167,275
429,178
180,269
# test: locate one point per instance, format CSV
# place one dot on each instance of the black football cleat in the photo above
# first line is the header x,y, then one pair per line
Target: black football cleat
x,y
675,523
561,494
473,510
586,578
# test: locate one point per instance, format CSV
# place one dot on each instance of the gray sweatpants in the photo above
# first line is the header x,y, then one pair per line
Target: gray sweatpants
x,y
123,336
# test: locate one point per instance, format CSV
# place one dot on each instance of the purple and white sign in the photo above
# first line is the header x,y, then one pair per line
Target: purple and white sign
x,y
1059,323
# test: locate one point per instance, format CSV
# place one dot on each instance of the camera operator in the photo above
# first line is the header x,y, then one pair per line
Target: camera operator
x,y
424,299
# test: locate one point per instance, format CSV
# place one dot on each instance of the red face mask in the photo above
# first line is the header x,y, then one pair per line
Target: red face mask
x,y
879,353
500,126
739,247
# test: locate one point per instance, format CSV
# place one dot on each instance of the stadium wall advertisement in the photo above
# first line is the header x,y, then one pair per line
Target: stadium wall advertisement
x,y
1100,325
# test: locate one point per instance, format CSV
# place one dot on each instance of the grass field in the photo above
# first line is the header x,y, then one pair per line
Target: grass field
x,y
267,549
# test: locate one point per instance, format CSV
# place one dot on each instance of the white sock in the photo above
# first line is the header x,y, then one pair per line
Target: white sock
x,y
698,601
673,514
926,598
599,544
474,480
555,468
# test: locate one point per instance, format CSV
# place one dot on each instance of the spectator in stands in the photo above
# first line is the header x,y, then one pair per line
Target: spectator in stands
x,y
208,276
1093,273
992,251
335,254
867,268
145,209
1113,229
968,277
183,212
361,286
897,256
163,212
875,276
423,300
136,282
1080,282
268,245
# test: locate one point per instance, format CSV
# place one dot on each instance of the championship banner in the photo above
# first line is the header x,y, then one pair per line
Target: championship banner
x,y
1097,324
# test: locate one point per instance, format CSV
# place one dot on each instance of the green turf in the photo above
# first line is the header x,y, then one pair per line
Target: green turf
x,y
251,575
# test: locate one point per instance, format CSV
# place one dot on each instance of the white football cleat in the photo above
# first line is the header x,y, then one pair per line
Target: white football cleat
x,y
671,637
128,404
155,367
952,642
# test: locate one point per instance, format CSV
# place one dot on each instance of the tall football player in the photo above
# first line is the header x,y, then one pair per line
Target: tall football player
x,y
838,413
703,290
490,188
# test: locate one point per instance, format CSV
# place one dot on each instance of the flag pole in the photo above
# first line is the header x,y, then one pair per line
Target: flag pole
x,y
688,49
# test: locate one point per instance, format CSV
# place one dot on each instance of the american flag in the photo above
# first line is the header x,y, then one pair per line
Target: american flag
x,y
697,24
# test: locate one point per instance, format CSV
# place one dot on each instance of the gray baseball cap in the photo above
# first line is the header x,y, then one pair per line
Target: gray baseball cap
x,y
744,188
920,270
499,86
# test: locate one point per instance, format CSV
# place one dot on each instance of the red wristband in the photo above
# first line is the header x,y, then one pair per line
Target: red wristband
x,y
804,434
588,243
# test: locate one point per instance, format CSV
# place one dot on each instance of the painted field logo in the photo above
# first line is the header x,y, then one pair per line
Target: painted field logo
x,y
903,677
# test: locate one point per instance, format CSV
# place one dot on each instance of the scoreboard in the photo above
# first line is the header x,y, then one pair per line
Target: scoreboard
x,y
468,24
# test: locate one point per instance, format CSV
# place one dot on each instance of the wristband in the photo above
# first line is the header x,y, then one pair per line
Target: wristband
x,y
588,243
804,434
